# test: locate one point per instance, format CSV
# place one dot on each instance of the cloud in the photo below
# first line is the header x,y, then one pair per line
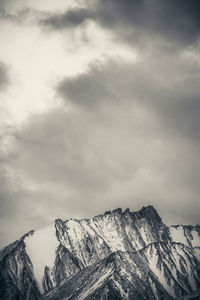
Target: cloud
x,y
72,18
177,20
118,133
173,98
4,78
155,103
18,11
126,135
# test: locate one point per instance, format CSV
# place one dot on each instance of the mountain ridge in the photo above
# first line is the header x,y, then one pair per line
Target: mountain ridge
x,y
40,260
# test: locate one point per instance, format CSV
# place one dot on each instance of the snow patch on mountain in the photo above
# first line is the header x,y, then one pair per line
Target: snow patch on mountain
x,y
196,238
177,234
187,235
41,248
159,272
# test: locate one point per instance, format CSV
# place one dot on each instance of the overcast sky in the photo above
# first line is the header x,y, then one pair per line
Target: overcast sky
x,y
99,109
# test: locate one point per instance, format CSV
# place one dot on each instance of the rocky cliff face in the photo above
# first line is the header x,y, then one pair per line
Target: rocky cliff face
x,y
118,255
17,280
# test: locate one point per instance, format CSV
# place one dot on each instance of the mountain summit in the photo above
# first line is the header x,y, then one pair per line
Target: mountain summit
x,y
117,255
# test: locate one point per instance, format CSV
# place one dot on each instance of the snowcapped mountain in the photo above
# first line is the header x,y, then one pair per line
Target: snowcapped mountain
x,y
118,255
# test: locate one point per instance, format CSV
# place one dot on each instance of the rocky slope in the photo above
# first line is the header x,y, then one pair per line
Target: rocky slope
x,y
118,255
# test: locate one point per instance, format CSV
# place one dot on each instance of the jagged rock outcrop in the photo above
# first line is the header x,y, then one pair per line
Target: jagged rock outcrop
x,y
121,274
117,255
17,280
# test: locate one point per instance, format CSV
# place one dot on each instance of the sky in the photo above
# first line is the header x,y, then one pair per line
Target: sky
x,y
99,109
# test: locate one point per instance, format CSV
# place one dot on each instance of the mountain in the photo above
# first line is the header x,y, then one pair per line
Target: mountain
x,y
117,255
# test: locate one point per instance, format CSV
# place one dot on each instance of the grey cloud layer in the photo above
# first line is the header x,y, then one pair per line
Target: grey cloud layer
x,y
126,134
178,20
172,98
71,19
4,78
129,137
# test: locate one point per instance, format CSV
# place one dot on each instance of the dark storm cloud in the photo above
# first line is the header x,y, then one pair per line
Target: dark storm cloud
x,y
178,20
72,18
156,99
4,78
126,135
2,5
172,98
89,89
129,137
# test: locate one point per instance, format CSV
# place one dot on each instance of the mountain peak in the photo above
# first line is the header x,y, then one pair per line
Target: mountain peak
x,y
148,209
123,254
150,213
117,211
